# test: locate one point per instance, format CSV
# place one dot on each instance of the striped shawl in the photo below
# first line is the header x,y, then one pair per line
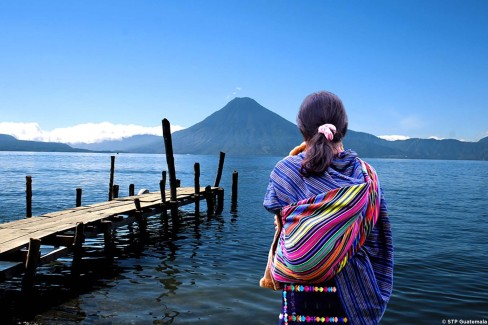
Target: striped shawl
x,y
322,232
365,282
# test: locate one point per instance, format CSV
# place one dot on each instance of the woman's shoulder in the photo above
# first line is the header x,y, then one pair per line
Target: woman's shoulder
x,y
291,162
288,168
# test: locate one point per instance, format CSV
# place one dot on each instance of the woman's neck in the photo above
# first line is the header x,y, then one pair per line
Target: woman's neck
x,y
338,147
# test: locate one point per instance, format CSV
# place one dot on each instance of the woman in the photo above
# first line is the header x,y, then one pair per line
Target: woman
x,y
359,288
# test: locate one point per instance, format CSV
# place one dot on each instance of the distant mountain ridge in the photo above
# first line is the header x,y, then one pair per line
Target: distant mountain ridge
x,y
368,145
244,127
10,143
130,144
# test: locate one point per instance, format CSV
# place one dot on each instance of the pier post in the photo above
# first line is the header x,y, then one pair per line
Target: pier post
x,y
115,191
28,196
78,249
219,171
220,200
164,206
196,168
235,178
141,221
33,256
107,239
220,191
173,206
111,183
131,190
137,203
162,187
170,160
210,201
79,192
163,178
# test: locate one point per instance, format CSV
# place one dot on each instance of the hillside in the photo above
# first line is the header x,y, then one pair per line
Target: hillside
x,y
9,143
130,144
242,127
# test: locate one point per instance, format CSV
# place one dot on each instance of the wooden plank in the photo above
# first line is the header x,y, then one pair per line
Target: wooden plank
x,y
96,206
8,234
84,209
26,227
14,223
55,254
69,210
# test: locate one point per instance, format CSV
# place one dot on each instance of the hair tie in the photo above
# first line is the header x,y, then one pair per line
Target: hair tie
x,y
328,130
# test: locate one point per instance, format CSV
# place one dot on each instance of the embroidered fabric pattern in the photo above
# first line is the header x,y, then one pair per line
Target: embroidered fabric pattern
x,y
306,288
304,318
312,319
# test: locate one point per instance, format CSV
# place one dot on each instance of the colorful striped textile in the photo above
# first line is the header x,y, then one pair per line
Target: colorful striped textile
x,y
321,233
365,284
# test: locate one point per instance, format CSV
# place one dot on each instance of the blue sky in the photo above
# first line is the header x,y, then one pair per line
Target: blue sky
x,y
410,68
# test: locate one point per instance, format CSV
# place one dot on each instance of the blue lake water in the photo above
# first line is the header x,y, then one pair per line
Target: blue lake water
x,y
209,273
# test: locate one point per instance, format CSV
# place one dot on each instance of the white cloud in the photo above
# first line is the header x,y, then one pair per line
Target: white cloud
x,y
394,137
81,133
23,131
436,137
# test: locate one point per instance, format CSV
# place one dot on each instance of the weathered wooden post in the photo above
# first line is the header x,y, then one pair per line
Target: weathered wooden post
x,y
131,190
137,203
170,160
220,200
33,256
115,191
196,169
79,192
139,217
162,188
78,249
235,177
107,239
220,191
28,196
173,207
111,184
219,171
210,201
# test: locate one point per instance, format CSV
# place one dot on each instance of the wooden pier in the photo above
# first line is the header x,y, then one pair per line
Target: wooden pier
x,y
20,240
23,242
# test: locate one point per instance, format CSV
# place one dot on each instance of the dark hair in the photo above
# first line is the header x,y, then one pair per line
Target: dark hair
x,y
318,109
